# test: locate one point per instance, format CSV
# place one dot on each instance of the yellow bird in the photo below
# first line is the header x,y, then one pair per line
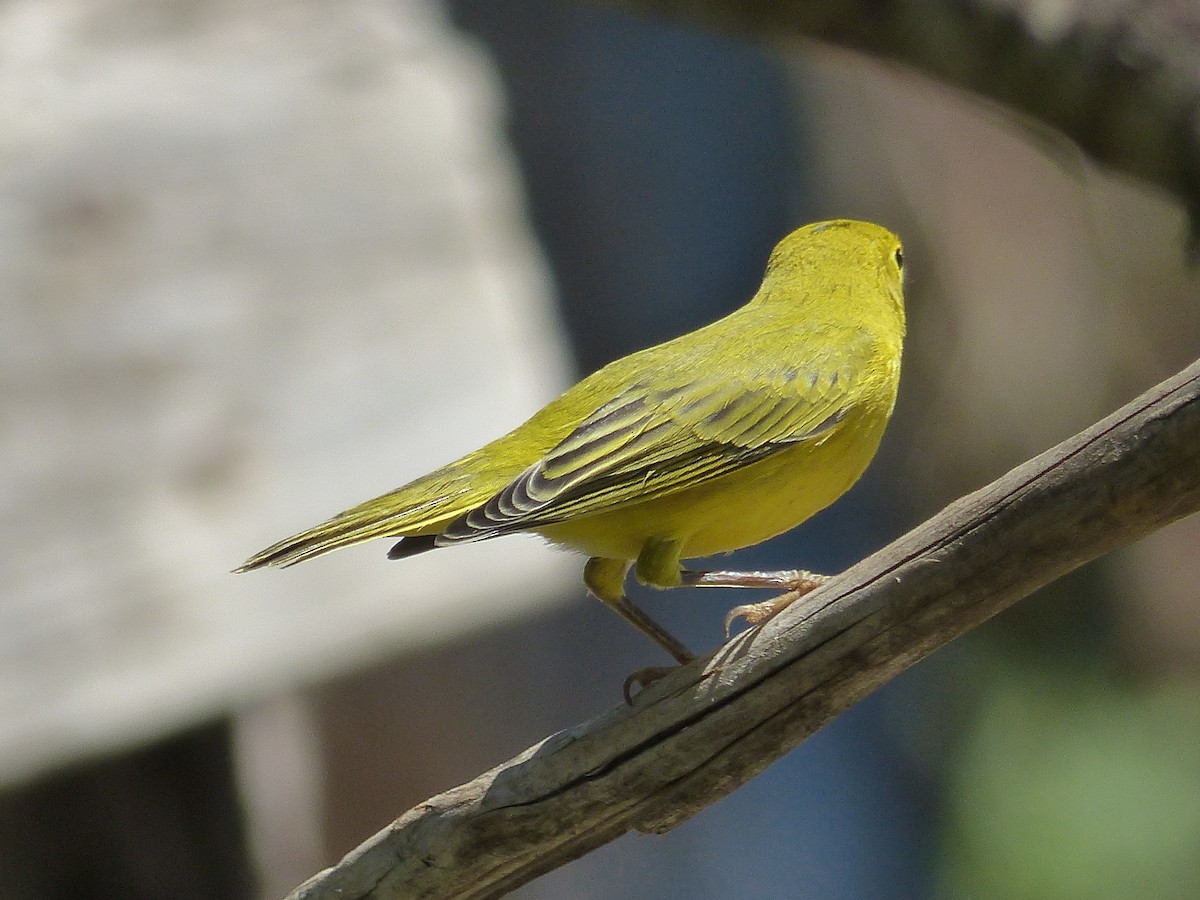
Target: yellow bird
x,y
710,442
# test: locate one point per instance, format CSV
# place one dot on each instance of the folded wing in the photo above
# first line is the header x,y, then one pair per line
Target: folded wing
x,y
649,442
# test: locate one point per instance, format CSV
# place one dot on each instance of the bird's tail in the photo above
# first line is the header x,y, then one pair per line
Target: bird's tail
x,y
397,514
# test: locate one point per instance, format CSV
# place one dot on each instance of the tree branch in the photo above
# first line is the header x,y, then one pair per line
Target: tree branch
x,y
1121,79
702,732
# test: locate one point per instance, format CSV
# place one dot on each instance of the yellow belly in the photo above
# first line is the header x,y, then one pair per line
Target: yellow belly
x,y
737,510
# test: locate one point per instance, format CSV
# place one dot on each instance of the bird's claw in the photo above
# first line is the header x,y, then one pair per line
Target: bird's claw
x,y
758,613
643,678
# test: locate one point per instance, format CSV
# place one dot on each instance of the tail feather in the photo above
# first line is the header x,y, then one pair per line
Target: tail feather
x,y
411,546
355,526
416,512
314,542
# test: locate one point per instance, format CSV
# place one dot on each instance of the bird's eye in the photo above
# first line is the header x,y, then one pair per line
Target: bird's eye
x,y
899,258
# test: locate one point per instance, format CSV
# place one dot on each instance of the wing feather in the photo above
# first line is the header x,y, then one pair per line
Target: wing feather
x,y
650,442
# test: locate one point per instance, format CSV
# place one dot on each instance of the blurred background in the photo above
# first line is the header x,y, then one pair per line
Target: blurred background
x,y
259,262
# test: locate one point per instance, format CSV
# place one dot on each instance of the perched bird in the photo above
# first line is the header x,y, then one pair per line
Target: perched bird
x,y
707,443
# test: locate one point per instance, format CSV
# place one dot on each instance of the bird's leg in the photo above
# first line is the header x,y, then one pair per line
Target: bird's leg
x,y
787,579
795,582
606,579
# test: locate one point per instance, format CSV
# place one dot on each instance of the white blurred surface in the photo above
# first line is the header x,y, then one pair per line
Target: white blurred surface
x,y
253,269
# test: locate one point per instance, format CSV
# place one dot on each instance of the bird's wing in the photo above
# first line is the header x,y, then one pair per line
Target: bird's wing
x,y
652,441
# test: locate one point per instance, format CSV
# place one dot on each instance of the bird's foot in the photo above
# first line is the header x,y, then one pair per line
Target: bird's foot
x,y
757,613
643,678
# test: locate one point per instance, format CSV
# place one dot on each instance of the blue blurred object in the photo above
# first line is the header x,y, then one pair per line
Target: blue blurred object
x,y
659,164
661,168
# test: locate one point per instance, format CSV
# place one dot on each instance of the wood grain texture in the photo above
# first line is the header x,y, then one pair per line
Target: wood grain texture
x,y
699,734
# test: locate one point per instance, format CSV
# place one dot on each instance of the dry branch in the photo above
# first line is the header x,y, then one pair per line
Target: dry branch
x,y
699,734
